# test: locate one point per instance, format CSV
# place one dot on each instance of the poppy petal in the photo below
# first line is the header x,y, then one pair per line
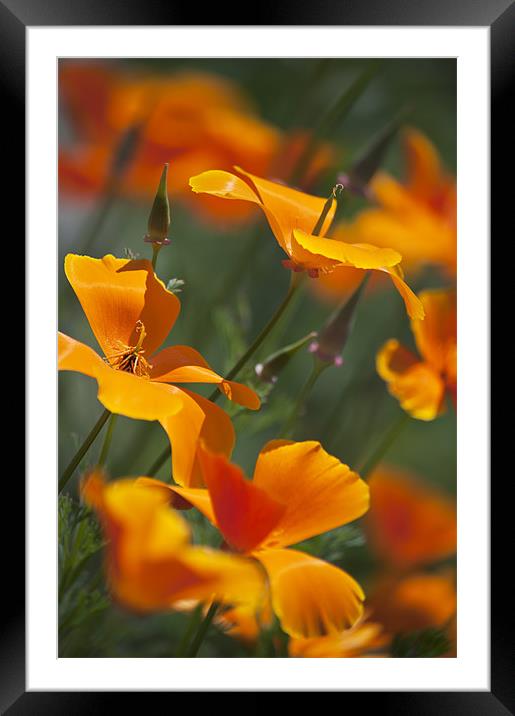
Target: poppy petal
x,y
244,513
198,419
414,307
436,335
118,391
116,294
409,522
182,364
319,491
289,208
224,185
317,251
150,562
416,385
310,597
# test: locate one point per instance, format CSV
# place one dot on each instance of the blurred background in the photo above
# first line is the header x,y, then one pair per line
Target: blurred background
x,y
119,122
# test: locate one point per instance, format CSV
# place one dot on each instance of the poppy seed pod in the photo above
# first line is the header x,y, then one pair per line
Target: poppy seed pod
x,y
333,337
159,219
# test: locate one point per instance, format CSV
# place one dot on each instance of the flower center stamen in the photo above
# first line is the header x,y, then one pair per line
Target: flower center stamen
x,y
130,359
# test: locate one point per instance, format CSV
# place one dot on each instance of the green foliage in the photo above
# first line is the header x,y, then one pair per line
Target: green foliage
x,y
420,644
81,590
175,285
334,546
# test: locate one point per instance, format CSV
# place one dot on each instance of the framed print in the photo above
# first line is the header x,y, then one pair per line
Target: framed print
x,y
262,435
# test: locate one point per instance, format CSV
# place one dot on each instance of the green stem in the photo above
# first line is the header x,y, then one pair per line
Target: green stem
x,y
155,254
332,118
193,624
384,445
295,283
294,286
107,440
202,631
316,371
88,442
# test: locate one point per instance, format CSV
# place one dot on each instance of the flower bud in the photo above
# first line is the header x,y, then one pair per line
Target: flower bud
x,y
159,219
269,370
363,169
333,337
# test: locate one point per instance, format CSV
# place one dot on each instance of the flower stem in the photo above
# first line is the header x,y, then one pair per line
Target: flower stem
x,y
107,440
296,282
193,624
155,254
316,371
384,445
202,631
294,285
88,442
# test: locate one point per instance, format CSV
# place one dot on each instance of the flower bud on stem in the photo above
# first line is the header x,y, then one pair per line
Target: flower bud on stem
x,y
159,218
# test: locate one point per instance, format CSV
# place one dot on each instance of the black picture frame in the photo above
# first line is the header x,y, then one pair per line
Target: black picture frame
x,y
15,16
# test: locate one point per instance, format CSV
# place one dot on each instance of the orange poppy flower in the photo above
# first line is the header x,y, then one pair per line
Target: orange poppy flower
x,y
150,562
131,313
417,217
293,216
420,386
298,491
192,120
366,639
417,601
409,523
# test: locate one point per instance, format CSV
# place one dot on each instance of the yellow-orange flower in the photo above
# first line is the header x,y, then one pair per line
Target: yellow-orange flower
x,y
420,386
409,523
192,120
417,217
150,562
416,601
298,491
366,639
293,216
131,313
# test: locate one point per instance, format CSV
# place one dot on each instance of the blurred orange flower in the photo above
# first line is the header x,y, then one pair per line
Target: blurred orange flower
x,y
365,639
192,120
298,491
131,313
150,562
293,216
416,218
420,386
409,523
417,601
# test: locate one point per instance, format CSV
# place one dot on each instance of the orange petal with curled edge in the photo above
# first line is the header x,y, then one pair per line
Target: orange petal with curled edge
x,y
319,491
118,391
151,564
418,388
244,513
285,208
116,294
310,597
198,420
436,335
414,307
319,252
182,364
